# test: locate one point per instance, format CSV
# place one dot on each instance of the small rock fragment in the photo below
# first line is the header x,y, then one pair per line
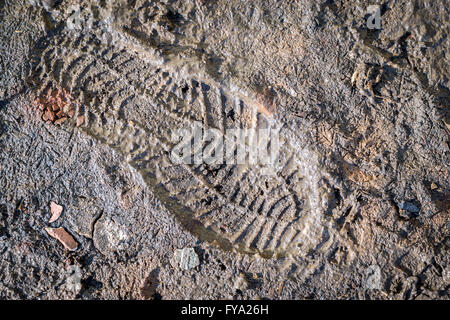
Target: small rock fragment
x,y
408,210
110,235
64,237
408,206
56,211
60,120
48,116
80,121
55,108
186,258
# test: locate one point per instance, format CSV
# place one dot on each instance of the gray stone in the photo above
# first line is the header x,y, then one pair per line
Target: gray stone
x,y
186,258
408,206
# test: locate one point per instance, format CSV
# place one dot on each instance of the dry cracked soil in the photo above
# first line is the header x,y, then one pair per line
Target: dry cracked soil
x,y
96,98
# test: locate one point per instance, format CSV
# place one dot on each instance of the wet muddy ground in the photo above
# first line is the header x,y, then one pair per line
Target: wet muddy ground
x,y
94,206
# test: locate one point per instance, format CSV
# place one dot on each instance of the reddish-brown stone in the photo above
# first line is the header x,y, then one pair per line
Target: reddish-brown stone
x,y
64,237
